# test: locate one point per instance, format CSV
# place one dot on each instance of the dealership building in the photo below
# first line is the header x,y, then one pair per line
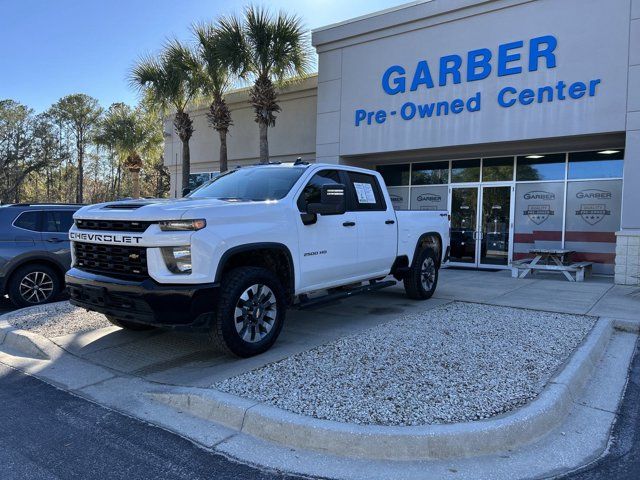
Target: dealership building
x,y
520,117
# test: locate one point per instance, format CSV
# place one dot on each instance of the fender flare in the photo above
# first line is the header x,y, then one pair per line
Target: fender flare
x,y
247,247
419,242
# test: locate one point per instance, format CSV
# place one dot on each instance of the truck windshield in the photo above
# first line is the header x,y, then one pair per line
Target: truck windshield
x,y
257,184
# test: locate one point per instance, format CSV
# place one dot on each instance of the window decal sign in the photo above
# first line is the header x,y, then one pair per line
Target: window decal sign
x,y
431,197
538,217
539,213
594,205
399,197
593,213
364,192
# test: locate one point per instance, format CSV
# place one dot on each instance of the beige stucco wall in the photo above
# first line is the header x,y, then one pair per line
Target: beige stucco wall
x,y
294,134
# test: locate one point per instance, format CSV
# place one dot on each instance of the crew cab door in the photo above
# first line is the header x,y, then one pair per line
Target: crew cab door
x,y
328,248
376,222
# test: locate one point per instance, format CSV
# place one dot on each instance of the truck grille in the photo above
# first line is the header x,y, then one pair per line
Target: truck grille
x,y
113,225
117,261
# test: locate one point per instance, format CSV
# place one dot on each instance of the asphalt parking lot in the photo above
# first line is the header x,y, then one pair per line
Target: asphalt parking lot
x,y
50,434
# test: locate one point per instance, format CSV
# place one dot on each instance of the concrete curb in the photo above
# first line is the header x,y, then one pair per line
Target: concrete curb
x,y
27,343
505,432
223,408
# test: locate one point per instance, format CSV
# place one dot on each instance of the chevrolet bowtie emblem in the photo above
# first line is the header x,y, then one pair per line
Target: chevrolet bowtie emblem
x,y
134,256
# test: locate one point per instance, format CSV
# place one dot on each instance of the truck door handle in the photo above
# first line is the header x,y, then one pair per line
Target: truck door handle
x,y
349,224
390,222
54,240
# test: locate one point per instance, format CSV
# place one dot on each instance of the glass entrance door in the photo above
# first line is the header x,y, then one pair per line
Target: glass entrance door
x,y
481,220
464,222
495,226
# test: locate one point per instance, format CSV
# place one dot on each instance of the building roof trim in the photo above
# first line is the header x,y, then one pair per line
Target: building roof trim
x,y
295,89
406,17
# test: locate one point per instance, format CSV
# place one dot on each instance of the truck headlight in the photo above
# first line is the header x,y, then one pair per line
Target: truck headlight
x,y
177,259
181,225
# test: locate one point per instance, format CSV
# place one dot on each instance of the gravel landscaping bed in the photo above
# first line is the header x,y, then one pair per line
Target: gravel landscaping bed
x,y
56,319
456,363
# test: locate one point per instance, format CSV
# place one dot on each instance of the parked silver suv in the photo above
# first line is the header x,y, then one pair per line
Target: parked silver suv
x,y
34,251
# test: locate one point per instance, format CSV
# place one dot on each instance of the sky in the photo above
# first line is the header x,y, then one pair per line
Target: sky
x,y
52,48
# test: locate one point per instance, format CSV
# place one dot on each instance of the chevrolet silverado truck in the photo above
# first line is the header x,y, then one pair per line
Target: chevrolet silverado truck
x,y
230,258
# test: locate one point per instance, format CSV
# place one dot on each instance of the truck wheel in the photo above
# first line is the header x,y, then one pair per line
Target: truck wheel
x,y
33,284
136,327
250,312
421,281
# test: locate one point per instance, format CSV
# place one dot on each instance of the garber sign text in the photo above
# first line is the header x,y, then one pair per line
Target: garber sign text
x,y
475,66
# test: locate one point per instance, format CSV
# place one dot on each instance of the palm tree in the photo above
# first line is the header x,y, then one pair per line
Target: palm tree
x,y
123,131
215,78
168,84
266,49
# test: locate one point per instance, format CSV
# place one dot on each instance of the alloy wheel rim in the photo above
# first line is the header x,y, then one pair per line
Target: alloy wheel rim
x,y
255,313
428,274
36,287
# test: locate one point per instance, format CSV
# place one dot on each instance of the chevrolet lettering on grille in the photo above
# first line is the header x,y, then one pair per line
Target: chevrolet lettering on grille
x,y
105,238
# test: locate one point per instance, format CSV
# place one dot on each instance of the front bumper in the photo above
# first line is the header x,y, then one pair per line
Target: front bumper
x,y
146,302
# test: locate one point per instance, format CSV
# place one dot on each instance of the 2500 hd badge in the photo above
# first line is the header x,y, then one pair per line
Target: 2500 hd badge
x,y
104,237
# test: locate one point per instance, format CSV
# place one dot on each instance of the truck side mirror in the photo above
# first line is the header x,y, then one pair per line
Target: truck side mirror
x,y
332,201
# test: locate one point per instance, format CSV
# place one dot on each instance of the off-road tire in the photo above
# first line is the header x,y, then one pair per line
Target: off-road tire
x,y
14,289
223,335
127,325
413,284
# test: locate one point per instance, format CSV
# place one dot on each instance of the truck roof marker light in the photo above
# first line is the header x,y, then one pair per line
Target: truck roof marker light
x,y
534,157
608,152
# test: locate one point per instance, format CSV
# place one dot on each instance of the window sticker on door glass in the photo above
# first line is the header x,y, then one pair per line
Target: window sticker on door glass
x,y
365,192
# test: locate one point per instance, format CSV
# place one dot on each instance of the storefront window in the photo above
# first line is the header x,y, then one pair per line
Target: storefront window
x,y
597,164
562,200
593,217
498,169
432,173
541,167
465,171
538,217
429,198
399,197
394,175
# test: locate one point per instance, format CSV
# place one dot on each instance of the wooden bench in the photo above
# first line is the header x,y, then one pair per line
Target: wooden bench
x,y
574,272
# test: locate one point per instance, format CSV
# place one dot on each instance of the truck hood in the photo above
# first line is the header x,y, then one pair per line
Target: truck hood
x,y
149,209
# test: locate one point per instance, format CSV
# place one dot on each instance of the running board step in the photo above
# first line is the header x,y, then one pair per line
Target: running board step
x,y
332,297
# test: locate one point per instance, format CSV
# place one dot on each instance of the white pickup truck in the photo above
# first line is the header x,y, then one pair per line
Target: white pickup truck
x,y
230,258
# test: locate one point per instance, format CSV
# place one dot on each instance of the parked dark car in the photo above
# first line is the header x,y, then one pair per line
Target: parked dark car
x,y
34,251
